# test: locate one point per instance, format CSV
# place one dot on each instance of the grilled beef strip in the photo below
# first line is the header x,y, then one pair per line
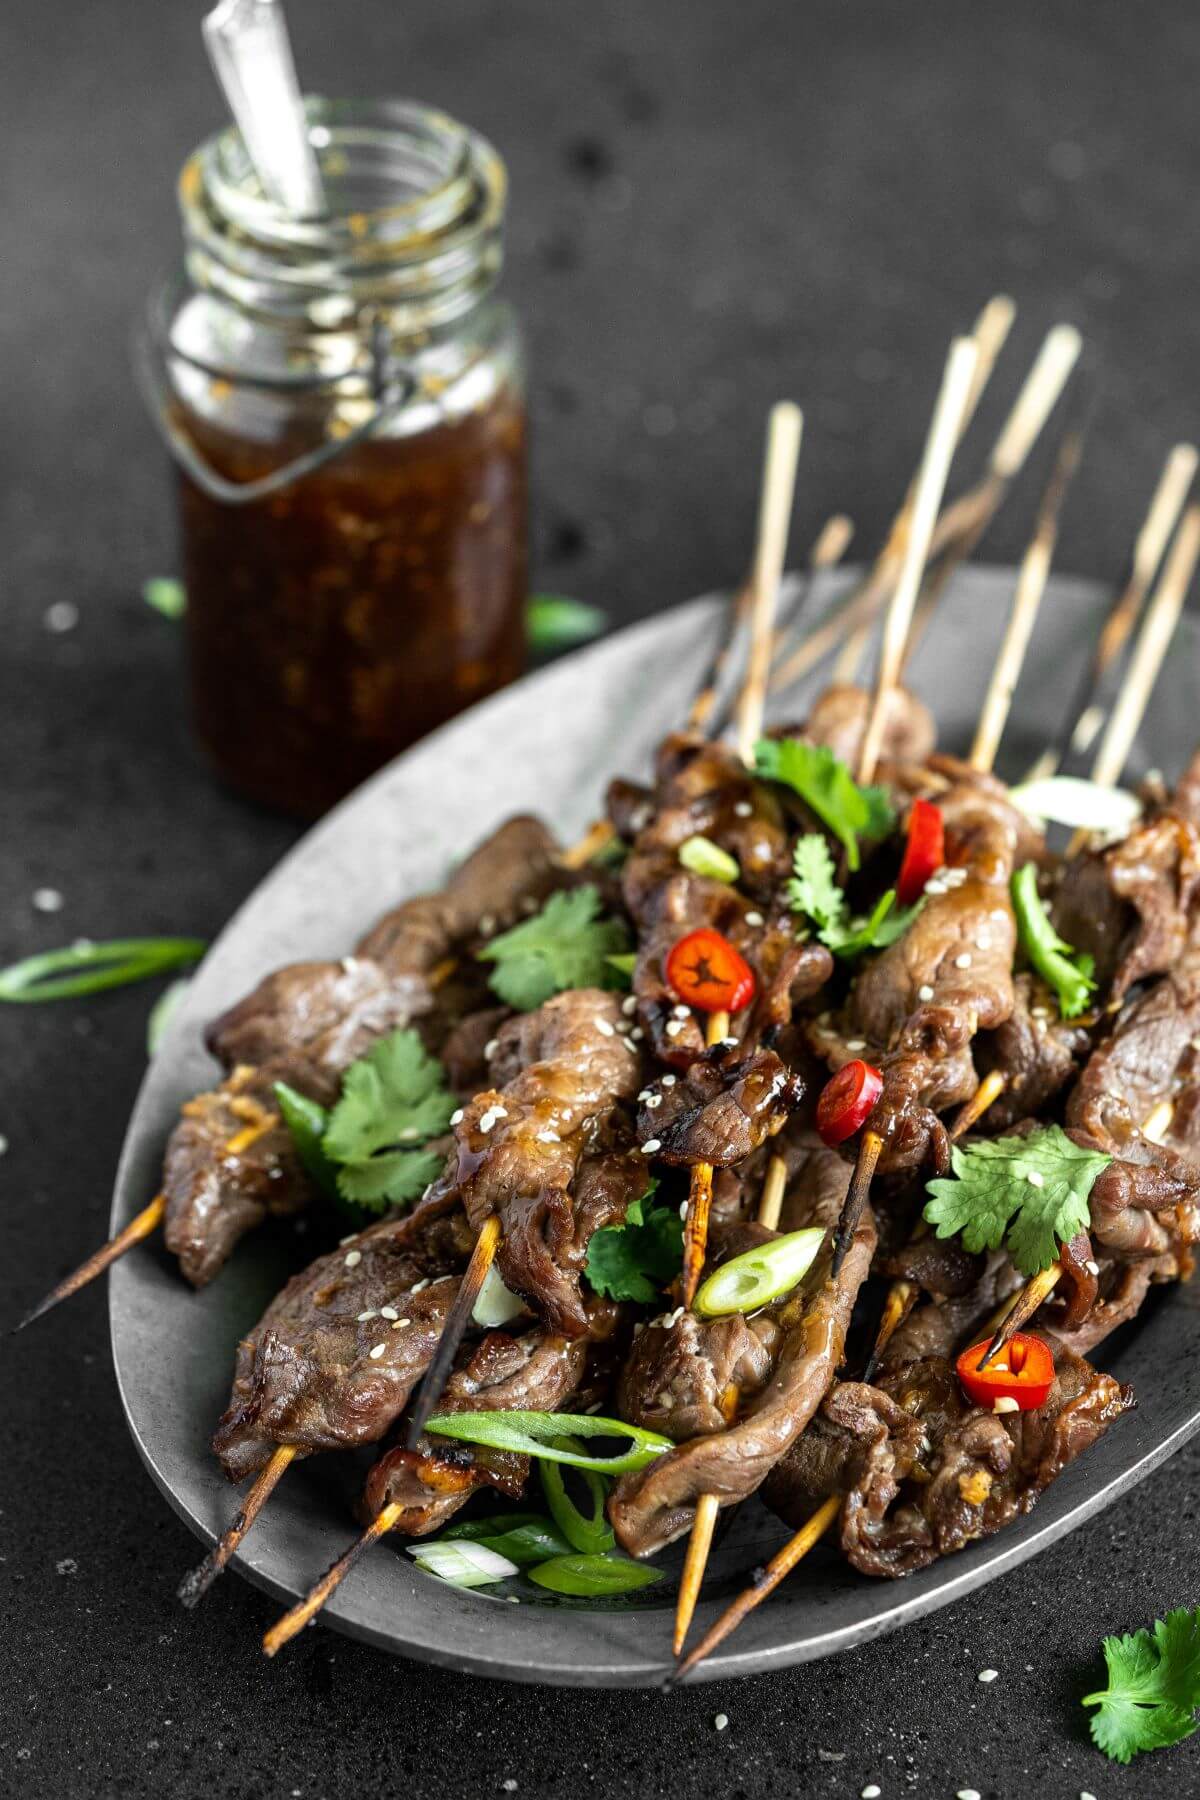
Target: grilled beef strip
x,y
519,1145
1135,906
1037,1051
721,1110
804,1337
306,1023
839,720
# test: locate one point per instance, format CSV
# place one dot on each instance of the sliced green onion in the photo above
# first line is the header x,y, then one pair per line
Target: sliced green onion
x,y
761,1275
541,1434
496,1304
163,1011
594,1575
307,1121
1085,805
86,968
588,1531
1071,980
464,1565
166,595
625,963
553,622
523,1544
703,857
490,1526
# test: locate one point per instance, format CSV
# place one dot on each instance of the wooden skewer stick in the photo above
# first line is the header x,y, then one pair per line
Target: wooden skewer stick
x,y
784,430
902,1295
771,1204
869,1151
931,482
195,1585
699,1200
457,1320
138,1229
303,1613
780,1566
1084,717
1031,586
989,336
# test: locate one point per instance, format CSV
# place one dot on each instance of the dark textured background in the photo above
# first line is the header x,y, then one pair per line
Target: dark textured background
x,y
713,204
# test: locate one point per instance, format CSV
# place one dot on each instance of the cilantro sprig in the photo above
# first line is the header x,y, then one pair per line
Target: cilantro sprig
x,y
1153,1687
828,789
1028,1193
566,945
636,1260
813,891
1068,972
368,1149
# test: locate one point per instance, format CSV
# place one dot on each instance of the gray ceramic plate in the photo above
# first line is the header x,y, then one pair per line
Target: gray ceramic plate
x,y
550,745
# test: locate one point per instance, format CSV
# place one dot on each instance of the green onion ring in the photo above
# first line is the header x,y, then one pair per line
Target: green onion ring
x,y
96,966
760,1275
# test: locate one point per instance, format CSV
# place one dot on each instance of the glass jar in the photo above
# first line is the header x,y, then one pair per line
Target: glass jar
x,y
344,397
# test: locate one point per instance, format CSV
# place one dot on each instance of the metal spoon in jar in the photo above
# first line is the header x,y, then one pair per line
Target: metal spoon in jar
x,y
251,54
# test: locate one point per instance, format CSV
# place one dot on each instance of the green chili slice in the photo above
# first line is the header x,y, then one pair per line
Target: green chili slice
x,y
87,968
1070,975
523,1539
307,1121
593,1576
541,1435
587,1531
761,1275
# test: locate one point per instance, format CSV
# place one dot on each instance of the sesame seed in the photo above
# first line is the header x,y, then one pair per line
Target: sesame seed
x,y
721,1721
856,1043
1084,1795
62,616
487,925
548,1137
935,887
623,1027
674,1027
988,1674
925,992
399,1324
681,1012
490,1049
418,1287
629,1005
1005,1404
754,918
388,1312
376,1351
651,1145
348,1239
728,1043
353,1258
3,1144
645,1095
967,1794
409,1133
872,1791
349,965
653,1102
1093,1268
982,941
743,809
683,1205
456,1117
963,961
47,900
668,1081
528,905
640,817
1035,1178
487,1120
637,1034
604,1028
364,1316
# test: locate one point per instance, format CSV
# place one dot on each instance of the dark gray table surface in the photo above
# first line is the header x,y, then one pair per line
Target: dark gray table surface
x,y
713,204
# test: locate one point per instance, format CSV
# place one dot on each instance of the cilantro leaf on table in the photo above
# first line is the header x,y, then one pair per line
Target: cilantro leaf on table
x,y
828,789
1153,1687
1028,1193
636,1260
566,945
813,890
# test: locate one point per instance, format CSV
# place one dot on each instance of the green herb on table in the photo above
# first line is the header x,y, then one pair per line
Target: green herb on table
x,y
1068,973
368,1148
828,789
814,892
553,622
87,968
1153,1687
637,1260
566,945
166,595
1028,1193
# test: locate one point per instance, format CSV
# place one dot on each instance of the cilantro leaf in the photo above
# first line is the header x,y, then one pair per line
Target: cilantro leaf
x,y
391,1098
564,946
636,1260
386,1180
1030,1193
813,889
827,787
1068,973
1153,1687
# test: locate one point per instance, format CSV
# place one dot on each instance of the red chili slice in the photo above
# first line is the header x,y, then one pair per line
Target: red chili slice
x,y
707,972
924,852
847,1100
1023,1371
